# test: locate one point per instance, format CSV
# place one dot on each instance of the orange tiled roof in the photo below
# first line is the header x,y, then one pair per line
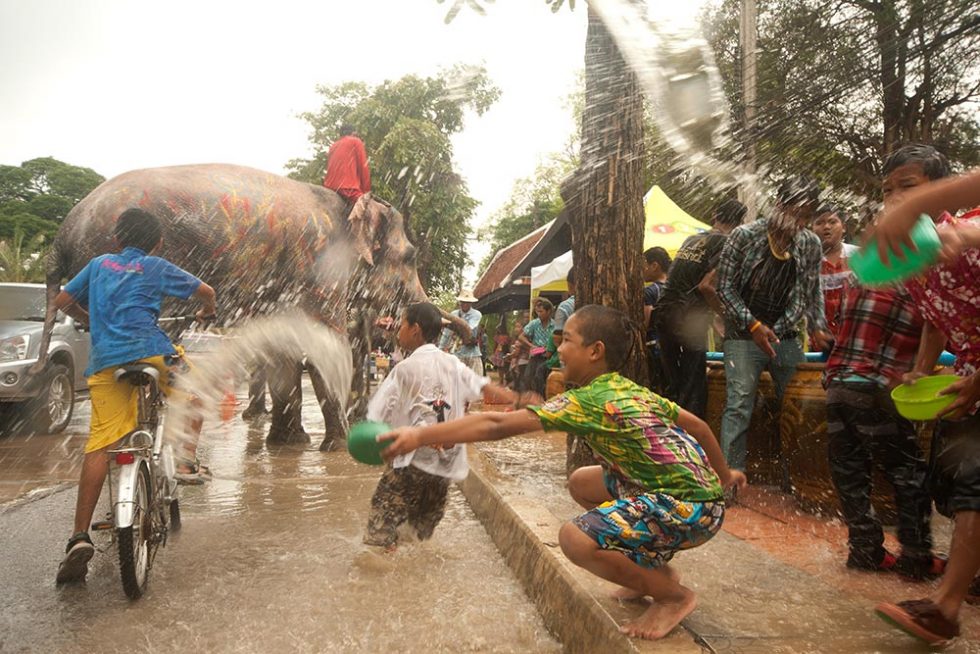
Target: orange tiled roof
x,y
498,273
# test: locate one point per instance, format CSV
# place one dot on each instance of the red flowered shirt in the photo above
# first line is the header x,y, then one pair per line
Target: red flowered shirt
x,y
948,296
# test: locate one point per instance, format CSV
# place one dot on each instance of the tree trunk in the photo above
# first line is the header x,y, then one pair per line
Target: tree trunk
x,y
604,199
605,196
892,52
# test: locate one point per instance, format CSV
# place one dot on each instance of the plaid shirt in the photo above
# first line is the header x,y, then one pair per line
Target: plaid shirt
x,y
879,335
745,248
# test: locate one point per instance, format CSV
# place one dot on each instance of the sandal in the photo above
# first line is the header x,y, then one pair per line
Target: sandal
x,y
74,566
920,618
196,476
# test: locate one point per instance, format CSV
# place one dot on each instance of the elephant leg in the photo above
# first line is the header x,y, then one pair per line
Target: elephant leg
x,y
360,385
287,399
334,415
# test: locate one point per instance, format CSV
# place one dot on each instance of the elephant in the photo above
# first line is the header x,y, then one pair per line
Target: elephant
x,y
267,244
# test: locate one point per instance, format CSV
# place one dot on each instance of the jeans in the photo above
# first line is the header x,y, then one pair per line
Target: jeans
x,y
863,427
744,362
685,374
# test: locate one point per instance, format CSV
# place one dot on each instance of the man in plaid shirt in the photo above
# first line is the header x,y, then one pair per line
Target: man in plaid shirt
x,y
876,345
768,281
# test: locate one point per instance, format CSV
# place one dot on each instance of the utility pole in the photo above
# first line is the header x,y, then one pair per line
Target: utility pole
x,y
748,29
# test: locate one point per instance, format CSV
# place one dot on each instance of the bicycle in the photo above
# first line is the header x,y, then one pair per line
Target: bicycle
x,y
145,507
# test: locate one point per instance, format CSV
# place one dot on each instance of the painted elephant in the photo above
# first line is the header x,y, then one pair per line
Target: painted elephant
x,y
267,244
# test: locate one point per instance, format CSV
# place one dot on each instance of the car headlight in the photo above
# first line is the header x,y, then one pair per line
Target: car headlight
x,y
14,348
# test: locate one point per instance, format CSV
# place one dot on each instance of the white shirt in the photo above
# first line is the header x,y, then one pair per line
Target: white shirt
x,y
402,400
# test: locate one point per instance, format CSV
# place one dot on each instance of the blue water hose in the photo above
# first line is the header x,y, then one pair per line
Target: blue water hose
x,y
945,359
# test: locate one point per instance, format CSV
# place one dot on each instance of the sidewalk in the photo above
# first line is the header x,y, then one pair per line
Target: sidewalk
x,y
772,581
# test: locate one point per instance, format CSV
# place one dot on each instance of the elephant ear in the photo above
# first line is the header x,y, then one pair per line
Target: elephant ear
x,y
365,223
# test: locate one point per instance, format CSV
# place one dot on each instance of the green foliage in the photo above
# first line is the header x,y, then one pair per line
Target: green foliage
x,y
843,83
37,195
534,201
406,126
22,258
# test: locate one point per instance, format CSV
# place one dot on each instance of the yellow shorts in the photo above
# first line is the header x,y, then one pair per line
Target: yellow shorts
x,y
114,409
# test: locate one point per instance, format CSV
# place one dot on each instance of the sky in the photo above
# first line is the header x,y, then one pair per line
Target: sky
x,y
116,85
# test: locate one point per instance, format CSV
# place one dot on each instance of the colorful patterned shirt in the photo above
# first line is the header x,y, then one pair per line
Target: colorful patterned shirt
x,y
633,431
949,297
747,248
878,337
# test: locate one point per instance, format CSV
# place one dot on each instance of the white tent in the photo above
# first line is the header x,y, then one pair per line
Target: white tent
x,y
552,275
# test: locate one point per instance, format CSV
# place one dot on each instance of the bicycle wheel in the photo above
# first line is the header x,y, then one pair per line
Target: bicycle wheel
x,y
175,515
134,542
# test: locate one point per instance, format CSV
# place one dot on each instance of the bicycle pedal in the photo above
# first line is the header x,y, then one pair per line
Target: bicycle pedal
x,y
102,525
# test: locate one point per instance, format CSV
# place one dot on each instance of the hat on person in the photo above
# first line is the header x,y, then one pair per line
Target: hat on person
x,y
466,295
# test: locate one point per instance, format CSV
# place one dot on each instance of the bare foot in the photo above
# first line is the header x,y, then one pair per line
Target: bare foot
x,y
661,618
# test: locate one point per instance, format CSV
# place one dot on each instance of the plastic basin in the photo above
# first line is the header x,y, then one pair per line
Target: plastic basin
x,y
870,271
362,442
921,400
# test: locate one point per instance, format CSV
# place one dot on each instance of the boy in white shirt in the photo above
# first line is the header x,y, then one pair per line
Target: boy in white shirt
x,y
429,386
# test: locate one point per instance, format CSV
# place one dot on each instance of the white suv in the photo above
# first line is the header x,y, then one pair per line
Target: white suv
x,y
44,401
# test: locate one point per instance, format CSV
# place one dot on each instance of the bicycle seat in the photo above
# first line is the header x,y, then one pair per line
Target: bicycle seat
x,y
136,374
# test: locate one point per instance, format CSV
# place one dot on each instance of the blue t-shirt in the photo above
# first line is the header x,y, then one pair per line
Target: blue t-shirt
x,y
123,293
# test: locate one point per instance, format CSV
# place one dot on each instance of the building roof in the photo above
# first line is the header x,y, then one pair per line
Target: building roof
x,y
506,284
498,274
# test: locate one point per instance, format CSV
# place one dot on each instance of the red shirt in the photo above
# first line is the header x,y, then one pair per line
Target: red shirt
x,y
347,168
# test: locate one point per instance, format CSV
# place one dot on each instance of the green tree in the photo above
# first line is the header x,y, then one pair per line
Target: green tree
x,y
534,201
843,83
22,258
406,126
37,195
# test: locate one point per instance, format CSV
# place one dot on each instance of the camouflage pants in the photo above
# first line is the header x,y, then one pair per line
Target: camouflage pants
x,y
405,494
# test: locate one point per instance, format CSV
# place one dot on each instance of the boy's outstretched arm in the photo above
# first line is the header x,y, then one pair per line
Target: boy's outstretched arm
x,y
702,433
206,296
895,223
497,394
470,429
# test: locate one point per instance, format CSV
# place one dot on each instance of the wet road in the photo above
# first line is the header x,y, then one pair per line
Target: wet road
x,y
269,559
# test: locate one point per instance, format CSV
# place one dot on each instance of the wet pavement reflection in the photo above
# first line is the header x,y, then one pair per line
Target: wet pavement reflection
x,y
269,559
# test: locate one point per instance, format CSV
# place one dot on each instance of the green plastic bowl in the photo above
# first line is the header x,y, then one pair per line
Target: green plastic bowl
x,y
362,442
870,271
921,400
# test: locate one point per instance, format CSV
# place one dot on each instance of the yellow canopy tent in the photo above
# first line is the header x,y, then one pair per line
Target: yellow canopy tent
x,y
667,225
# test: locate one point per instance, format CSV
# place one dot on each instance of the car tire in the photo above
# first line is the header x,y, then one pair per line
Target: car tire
x,y
51,411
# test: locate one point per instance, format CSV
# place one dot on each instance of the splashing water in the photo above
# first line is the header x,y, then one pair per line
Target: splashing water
x,y
265,341
676,69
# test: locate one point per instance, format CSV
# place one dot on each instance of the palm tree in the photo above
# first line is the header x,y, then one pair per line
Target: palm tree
x,y
22,259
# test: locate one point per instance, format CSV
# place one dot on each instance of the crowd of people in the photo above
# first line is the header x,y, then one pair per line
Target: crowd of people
x,y
661,479
779,285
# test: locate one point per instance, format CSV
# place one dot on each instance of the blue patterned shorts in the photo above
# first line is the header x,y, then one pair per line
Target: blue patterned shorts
x,y
650,528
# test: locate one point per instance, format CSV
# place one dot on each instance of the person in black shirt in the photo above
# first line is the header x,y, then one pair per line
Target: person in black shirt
x,y
683,314
656,265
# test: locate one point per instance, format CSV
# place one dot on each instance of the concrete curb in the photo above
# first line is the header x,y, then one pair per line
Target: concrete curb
x,y
34,496
526,535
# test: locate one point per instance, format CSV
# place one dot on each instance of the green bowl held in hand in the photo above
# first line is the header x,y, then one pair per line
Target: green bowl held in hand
x,y
870,271
362,442
921,400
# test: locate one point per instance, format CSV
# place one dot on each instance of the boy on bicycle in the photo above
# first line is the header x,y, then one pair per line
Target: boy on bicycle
x,y
119,296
